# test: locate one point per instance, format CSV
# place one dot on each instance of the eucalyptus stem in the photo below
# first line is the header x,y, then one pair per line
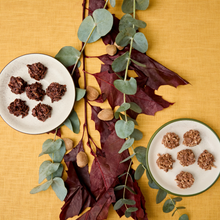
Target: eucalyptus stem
x,y
126,179
105,4
174,204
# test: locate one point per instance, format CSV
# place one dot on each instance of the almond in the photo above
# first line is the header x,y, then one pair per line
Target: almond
x,y
119,47
91,93
106,114
82,159
68,143
111,50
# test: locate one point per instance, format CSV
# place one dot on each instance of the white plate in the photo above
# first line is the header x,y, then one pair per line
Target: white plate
x,y
166,180
56,72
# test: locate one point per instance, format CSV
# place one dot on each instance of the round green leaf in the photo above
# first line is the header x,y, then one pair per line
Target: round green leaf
x,y
124,107
72,122
57,173
168,206
136,23
141,154
68,56
103,20
153,185
139,172
50,146
80,93
57,156
135,107
124,128
184,217
137,134
112,3
123,38
120,63
127,6
128,87
59,188
127,214
126,145
140,42
88,29
42,187
128,118
161,195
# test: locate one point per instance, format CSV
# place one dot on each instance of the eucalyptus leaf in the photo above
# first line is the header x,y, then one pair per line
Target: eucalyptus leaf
x,y
123,38
124,107
124,23
137,63
141,154
68,56
57,173
184,217
120,63
128,87
168,206
46,169
88,30
50,146
128,175
119,187
80,93
118,204
127,214
149,176
116,114
42,187
161,195
140,43
128,118
136,22
132,209
127,6
72,122
180,207
128,158
124,128
153,185
59,188
112,3
177,199
137,134
139,172
128,201
57,156
131,190
104,21
135,107
126,145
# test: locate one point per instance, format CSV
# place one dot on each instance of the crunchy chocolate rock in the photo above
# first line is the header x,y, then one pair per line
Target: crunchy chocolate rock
x,y
206,160
186,157
17,85
35,91
37,70
55,91
165,162
184,180
170,140
191,138
42,111
18,107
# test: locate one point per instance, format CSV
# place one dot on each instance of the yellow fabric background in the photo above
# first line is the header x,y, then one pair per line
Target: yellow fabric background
x,y
182,35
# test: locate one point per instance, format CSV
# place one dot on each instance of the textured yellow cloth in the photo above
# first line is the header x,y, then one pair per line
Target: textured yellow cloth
x,y
182,35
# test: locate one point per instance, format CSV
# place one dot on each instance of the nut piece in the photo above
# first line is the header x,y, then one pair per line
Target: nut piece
x,y
91,93
81,159
205,160
119,47
111,50
191,138
68,143
186,157
165,162
171,140
106,114
184,180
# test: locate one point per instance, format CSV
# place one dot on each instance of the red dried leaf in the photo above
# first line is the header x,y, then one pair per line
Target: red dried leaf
x,y
53,132
95,4
75,76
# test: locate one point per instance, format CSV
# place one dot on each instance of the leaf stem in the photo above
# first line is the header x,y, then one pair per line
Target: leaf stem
x,y
174,204
105,4
126,179
55,134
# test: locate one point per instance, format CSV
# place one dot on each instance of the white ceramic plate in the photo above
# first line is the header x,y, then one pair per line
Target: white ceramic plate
x,y
56,72
166,180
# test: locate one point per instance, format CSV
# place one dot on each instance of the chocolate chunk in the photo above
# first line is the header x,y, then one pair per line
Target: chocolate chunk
x,y
17,85
18,107
35,91
37,70
55,91
42,111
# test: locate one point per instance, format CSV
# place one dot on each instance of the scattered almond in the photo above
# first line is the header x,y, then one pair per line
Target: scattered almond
x,y
111,50
82,159
106,114
68,143
119,47
91,93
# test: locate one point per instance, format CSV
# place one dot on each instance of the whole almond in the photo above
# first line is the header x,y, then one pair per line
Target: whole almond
x,y
111,50
91,93
68,143
119,47
106,114
82,159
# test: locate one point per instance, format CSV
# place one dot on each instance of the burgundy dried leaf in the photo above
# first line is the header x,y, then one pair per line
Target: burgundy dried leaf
x,y
95,4
101,98
53,132
75,76
100,210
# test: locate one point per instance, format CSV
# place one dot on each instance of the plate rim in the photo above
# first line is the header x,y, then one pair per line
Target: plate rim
x,y
44,132
148,147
